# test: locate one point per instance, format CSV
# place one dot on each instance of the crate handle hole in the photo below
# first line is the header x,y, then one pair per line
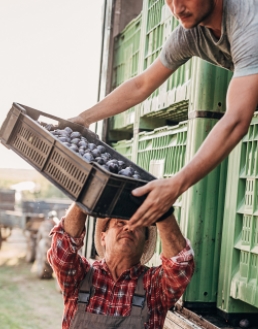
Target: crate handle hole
x,y
47,120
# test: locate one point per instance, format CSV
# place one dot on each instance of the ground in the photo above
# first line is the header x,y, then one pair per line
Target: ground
x,y
26,301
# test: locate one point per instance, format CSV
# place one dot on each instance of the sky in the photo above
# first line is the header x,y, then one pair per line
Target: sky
x,y
49,58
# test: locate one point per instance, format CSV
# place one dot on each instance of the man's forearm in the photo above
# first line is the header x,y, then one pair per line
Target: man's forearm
x,y
130,93
74,221
242,99
122,98
172,239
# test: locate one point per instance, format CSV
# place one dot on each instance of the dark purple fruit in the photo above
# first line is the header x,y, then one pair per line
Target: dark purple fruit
x,y
113,161
121,164
95,153
63,133
101,148
75,134
74,147
100,161
106,155
91,146
49,127
68,129
67,144
88,157
81,151
83,143
131,170
75,141
136,176
113,167
63,139
105,167
125,172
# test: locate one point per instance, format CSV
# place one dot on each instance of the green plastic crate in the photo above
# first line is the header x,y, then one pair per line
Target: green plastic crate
x,y
126,66
170,101
238,281
201,221
162,152
124,147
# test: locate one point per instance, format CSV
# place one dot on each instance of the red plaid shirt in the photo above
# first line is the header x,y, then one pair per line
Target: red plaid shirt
x,y
164,284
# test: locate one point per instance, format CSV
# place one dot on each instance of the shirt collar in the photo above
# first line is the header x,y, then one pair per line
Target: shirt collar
x,y
134,272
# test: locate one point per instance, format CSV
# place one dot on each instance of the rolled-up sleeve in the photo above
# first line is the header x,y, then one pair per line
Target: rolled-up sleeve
x,y
176,275
168,281
67,264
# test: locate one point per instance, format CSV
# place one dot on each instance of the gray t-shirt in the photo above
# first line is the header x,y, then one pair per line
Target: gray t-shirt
x,y
236,50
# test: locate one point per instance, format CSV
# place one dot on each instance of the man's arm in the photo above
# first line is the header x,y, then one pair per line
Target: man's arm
x,y
170,280
127,95
242,99
74,222
67,239
172,240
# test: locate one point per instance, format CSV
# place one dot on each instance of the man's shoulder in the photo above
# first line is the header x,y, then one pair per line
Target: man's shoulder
x,y
240,15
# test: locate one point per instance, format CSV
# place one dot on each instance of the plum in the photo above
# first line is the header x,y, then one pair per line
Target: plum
x,y
49,127
100,161
106,155
101,148
130,170
64,139
121,164
83,143
105,167
125,172
74,148
75,140
88,157
81,151
91,146
113,167
66,144
63,133
95,153
75,134
68,129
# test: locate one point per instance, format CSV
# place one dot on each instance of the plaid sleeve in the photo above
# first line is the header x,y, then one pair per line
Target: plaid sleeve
x,y
168,281
175,274
67,264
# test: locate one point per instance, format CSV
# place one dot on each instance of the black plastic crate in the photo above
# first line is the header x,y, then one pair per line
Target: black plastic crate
x,y
93,188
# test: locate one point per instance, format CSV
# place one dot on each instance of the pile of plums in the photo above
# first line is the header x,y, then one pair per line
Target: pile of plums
x,y
92,152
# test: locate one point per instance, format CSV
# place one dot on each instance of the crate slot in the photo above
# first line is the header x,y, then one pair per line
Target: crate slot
x,y
31,146
63,171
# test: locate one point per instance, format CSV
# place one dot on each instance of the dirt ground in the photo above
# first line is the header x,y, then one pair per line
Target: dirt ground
x,y
26,302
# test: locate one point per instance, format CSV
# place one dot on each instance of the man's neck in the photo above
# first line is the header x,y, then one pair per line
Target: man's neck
x,y
118,266
214,21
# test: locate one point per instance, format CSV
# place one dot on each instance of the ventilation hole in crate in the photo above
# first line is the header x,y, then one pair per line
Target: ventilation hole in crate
x,y
31,146
65,173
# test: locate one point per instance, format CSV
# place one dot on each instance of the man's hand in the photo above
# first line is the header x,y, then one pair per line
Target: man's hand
x,y
79,121
242,99
162,193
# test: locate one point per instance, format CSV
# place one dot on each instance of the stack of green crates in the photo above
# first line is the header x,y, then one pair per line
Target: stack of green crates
x,y
126,66
170,101
238,280
124,147
162,153
194,99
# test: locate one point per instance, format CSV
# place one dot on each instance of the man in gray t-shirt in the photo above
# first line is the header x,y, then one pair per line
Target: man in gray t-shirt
x,y
234,48
223,32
